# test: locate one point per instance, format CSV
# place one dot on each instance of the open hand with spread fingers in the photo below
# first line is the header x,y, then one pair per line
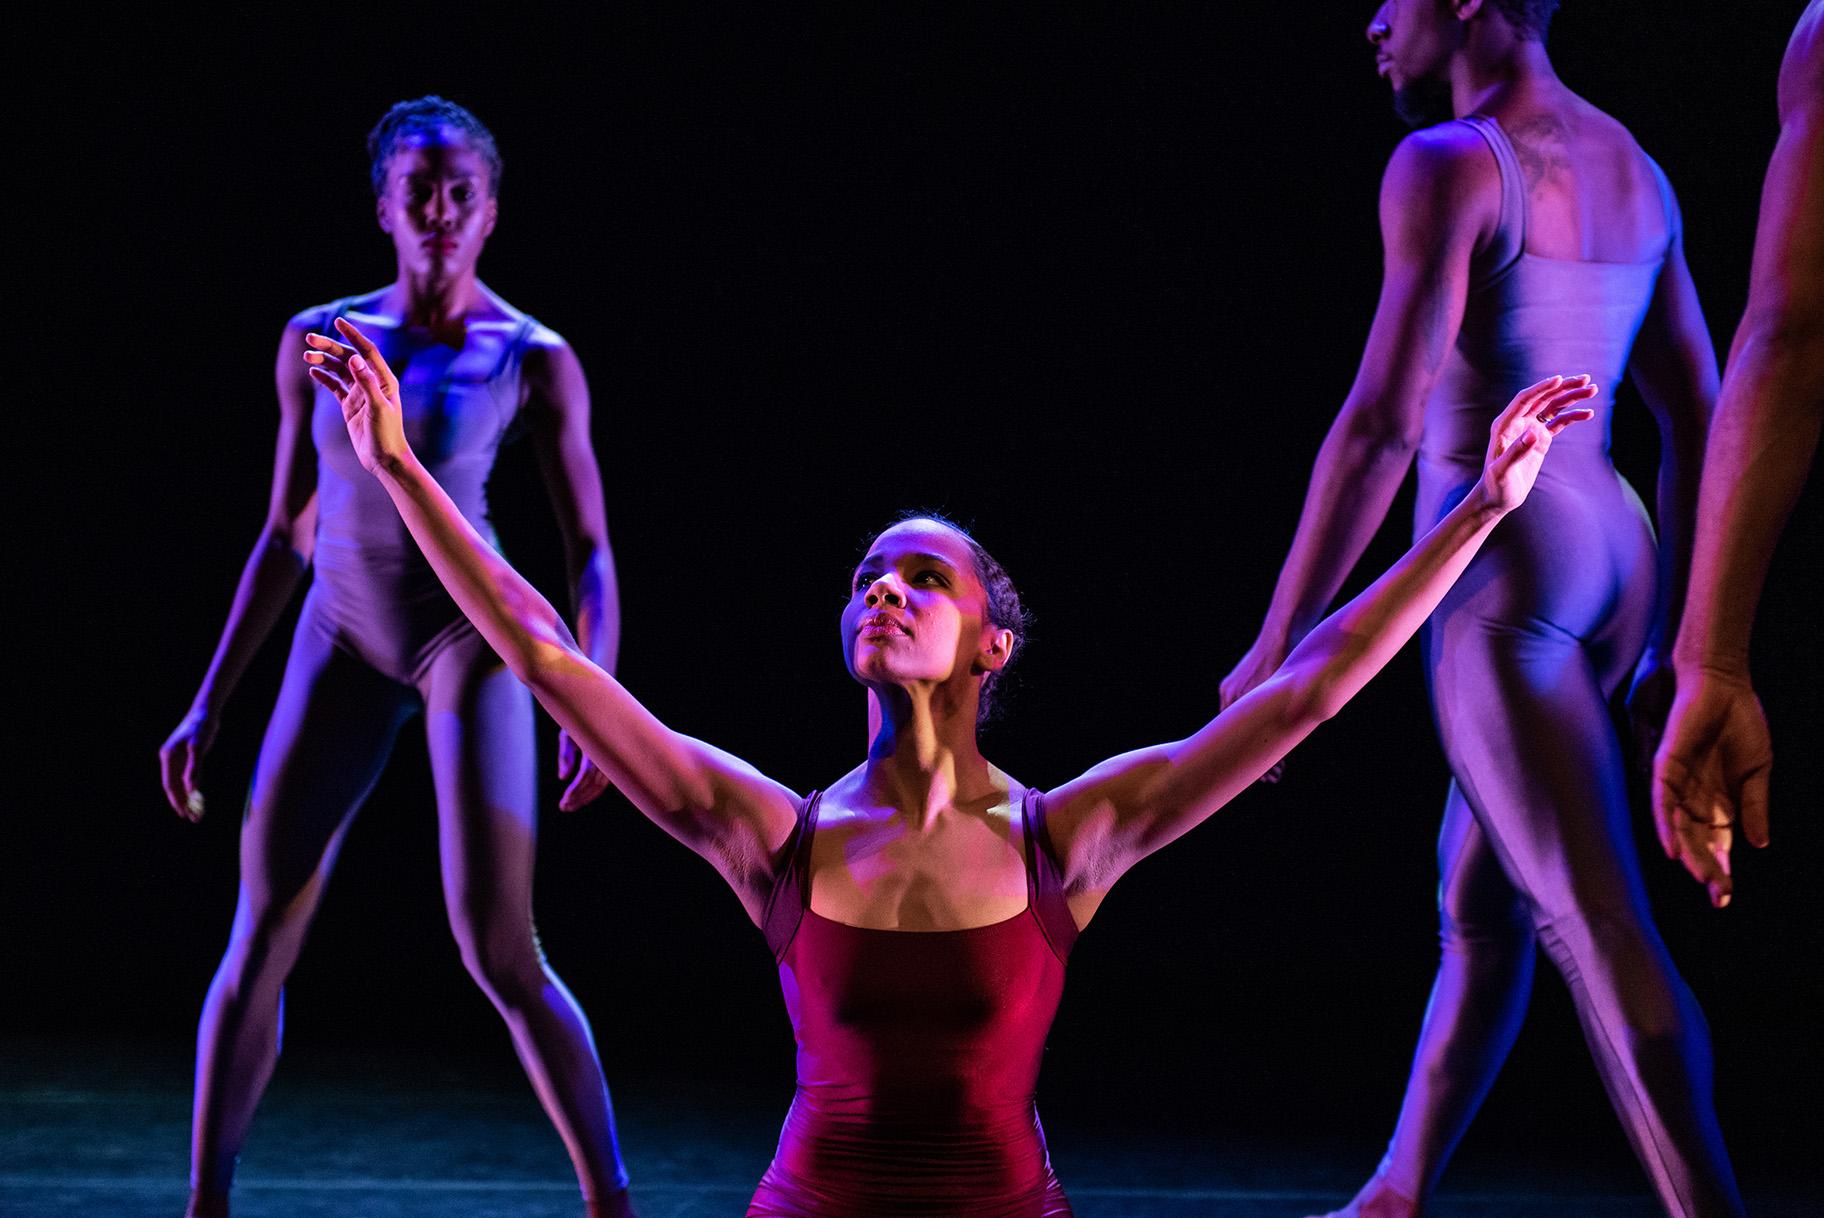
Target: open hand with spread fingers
x,y
368,391
1522,434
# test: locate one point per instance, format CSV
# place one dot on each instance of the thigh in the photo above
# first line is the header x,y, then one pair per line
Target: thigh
x,y
479,725
1526,728
330,734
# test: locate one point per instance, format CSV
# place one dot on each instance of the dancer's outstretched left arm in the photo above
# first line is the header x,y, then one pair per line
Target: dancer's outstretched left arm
x,y
1129,806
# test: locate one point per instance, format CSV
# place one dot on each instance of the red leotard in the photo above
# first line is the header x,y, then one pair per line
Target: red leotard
x,y
918,1053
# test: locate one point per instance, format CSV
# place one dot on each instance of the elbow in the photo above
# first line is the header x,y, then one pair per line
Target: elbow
x,y
541,664
1311,694
290,537
1320,699
1382,436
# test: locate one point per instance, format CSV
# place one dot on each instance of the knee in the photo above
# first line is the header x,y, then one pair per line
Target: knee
x,y
503,958
1618,957
264,945
1497,934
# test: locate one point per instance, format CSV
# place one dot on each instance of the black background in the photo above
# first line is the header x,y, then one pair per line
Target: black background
x,y
1095,283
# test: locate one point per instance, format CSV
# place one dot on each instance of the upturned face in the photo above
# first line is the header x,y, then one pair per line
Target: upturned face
x,y
917,611
1413,41
436,205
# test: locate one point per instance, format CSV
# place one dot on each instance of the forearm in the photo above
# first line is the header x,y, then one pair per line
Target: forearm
x,y
268,581
1347,648
596,598
1357,475
1676,494
1762,440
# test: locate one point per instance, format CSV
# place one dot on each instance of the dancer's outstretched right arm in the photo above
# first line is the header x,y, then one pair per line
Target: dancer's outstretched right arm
x,y
713,802
269,578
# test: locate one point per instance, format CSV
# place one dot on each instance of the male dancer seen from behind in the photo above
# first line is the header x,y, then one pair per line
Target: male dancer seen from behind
x,y
1714,759
1525,230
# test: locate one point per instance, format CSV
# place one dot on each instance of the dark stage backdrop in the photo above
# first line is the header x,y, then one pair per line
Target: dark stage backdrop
x,y
1093,282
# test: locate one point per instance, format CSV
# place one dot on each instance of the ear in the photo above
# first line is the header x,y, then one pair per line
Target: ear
x,y
386,225
996,652
487,228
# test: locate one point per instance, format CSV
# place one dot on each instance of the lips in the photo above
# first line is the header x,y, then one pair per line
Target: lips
x,y
441,245
876,625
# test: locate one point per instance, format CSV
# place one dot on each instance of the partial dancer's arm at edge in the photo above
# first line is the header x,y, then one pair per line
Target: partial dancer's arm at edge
x,y
1435,207
1716,756
1127,807
713,802
558,401
1673,365
269,579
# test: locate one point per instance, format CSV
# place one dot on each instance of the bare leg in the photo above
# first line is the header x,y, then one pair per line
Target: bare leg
x,y
479,724
1485,975
325,746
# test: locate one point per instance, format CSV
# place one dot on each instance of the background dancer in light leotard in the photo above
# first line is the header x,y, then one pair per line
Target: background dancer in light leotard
x,y
1525,230
379,640
1714,760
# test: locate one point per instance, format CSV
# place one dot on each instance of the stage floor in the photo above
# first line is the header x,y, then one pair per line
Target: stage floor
x,y
101,1132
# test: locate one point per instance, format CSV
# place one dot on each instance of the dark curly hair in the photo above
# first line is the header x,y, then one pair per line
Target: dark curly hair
x,y
1532,18
1005,612
426,116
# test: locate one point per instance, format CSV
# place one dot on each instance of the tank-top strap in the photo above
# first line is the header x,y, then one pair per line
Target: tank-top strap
x,y
515,350
326,325
1510,233
791,893
1045,879
1667,203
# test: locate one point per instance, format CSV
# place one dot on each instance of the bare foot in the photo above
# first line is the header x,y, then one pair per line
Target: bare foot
x,y
1378,1199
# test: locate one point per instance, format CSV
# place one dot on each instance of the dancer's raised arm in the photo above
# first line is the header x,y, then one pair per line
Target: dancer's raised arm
x,y
1131,805
716,804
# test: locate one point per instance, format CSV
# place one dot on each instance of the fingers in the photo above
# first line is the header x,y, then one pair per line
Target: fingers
x,y
1754,808
332,383
1703,848
362,342
170,776
567,754
178,774
589,784
325,347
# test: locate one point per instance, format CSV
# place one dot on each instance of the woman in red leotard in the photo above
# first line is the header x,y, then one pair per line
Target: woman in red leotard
x,y
922,906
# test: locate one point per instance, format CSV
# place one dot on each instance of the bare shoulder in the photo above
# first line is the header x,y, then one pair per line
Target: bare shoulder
x,y
1802,69
1441,181
1448,162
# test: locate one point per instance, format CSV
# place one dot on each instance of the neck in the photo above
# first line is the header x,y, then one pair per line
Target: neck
x,y
423,301
1497,64
924,757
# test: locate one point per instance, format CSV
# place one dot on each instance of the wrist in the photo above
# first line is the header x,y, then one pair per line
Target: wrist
x,y
1713,665
1481,507
398,468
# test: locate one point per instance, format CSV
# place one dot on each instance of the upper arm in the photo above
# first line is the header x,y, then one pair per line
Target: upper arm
x,y
1786,291
1440,199
713,802
292,505
1131,805
1674,362
557,400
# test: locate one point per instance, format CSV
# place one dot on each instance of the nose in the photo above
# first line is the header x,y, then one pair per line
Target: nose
x,y
1378,29
442,211
884,591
